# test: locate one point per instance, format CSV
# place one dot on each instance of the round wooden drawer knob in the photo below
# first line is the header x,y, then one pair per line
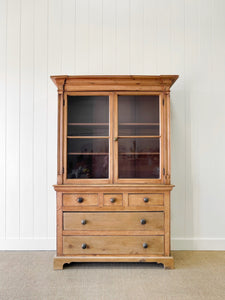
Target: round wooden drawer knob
x,y
84,246
80,200
145,245
113,200
146,200
83,222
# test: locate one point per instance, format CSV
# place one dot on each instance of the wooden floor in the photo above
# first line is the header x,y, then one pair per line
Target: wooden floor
x,y
30,275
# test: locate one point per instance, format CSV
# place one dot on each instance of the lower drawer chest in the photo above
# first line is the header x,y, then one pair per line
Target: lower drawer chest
x,y
124,224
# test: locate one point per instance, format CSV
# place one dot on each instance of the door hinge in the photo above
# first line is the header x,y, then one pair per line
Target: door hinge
x,y
163,171
63,170
63,102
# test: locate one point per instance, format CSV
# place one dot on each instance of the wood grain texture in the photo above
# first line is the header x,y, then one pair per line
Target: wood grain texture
x,y
87,200
59,261
59,224
113,200
114,221
103,216
116,83
138,199
129,245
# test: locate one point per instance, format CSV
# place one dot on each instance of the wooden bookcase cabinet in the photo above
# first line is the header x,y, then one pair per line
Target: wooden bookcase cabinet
x,y
113,175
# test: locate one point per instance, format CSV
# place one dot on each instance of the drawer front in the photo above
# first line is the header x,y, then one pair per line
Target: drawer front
x,y
80,199
143,245
153,221
145,200
113,200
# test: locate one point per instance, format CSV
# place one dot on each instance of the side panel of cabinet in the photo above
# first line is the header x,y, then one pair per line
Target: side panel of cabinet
x,y
59,215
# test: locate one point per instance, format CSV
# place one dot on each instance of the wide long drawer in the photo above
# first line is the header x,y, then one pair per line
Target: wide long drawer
x,y
147,245
153,221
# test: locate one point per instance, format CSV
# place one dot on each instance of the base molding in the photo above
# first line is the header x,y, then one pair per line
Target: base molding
x,y
167,261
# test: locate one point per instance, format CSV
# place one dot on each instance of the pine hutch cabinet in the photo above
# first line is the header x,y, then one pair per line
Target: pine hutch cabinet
x,y
113,178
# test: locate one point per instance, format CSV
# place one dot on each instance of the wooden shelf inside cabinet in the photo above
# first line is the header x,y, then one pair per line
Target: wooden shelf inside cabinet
x,y
139,153
113,169
139,124
85,153
139,136
87,137
88,124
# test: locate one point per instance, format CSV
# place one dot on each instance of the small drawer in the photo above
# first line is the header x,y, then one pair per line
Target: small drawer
x,y
145,199
151,221
142,245
80,199
113,199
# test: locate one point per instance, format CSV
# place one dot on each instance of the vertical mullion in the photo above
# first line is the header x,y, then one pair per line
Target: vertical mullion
x,y
115,112
111,150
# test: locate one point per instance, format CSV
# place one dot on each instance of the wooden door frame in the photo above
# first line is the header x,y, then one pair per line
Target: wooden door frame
x,y
75,181
162,140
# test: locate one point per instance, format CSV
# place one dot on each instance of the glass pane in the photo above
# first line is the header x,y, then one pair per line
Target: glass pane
x,y
138,115
139,158
87,158
139,145
86,146
88,116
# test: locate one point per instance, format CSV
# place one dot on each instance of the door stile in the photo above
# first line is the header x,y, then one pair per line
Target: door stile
x,y
168,145
162,103
115,137
111,134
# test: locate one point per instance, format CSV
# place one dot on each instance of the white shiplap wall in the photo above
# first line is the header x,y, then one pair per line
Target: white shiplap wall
x,y
39,38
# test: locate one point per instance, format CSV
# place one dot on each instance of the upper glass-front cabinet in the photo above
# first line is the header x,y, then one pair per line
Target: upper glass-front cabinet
x,y
113,138
113,129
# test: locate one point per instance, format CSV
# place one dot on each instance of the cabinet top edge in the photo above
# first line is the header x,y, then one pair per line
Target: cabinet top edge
x,y
74,80
137,187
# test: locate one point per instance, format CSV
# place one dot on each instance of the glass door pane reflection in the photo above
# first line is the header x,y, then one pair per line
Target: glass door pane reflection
x,y
138,115
139,158
87,158
88,116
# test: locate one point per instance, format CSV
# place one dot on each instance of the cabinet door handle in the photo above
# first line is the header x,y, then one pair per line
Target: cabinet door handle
x,y
80,200
112,200
115,139
83,222
145,245
84,246
146,200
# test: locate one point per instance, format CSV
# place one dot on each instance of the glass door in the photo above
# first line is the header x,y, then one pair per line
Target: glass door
x,y
87,138
138,138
